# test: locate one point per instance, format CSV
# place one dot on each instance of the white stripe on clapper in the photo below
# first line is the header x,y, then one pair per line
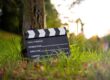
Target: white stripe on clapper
x,y
52,32
41,33
31,34
62,31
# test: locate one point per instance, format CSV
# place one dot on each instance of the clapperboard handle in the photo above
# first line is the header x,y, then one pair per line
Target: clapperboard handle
x,y
39,33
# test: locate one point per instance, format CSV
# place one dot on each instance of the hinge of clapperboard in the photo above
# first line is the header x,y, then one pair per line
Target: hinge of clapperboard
x,y
24,51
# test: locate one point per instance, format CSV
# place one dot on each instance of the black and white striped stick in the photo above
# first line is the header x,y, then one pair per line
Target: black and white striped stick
x,y
38,33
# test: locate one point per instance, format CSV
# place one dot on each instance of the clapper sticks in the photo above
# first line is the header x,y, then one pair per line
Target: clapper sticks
x,y
46,42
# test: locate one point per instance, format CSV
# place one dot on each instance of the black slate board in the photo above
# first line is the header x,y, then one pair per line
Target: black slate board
x,y
48,45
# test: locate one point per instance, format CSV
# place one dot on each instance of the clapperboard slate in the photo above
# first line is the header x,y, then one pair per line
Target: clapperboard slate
x,y
44,42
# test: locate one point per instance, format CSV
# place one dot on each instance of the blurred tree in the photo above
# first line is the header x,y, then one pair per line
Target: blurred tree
x,y
52,19
10,20
78,41
0,4
0,11
94,43
30,12
75,2
107,38
21,15
33,16
72,38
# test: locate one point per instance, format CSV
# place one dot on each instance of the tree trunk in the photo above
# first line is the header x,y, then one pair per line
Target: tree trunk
x,y
33,14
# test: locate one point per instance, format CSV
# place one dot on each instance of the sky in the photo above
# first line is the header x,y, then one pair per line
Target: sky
x,y
95,15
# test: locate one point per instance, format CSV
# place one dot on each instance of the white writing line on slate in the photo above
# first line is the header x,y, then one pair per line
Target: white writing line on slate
x,y
47,45
54,50
37,41
36,56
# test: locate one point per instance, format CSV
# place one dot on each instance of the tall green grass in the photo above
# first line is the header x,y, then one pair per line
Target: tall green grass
x,y
9,48
80,65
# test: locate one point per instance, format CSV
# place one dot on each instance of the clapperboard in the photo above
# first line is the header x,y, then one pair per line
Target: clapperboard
x,y
44,42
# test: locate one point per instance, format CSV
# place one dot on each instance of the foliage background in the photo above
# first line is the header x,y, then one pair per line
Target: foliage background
x,y
11,16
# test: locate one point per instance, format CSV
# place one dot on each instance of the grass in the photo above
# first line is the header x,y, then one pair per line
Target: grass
x,y
9,47
80,65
